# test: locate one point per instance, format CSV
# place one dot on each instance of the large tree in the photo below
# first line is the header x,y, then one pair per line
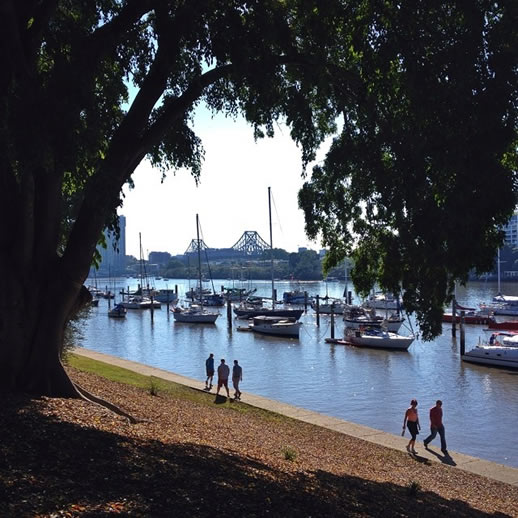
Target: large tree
x,y
89,88
72,131
423,175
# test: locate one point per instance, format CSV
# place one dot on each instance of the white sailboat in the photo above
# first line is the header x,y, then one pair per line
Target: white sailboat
x,y
289,316
195,314
140,300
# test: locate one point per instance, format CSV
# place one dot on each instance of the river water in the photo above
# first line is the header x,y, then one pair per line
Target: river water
x,y
370,387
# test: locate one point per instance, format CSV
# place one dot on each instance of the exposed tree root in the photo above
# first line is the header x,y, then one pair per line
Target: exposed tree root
x,y
84,394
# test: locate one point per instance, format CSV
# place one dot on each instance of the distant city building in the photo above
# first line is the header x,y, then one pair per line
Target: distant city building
x,y
511,231
113,257
159,257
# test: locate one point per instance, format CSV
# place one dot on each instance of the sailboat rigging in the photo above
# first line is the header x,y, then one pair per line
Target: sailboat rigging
x,y
195,314
247,311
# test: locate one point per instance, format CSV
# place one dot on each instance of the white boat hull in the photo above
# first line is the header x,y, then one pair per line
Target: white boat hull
x,y
276,326
385,340
391,325
493,356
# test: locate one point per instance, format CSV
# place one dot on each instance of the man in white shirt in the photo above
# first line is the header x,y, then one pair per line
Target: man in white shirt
x,y
223,374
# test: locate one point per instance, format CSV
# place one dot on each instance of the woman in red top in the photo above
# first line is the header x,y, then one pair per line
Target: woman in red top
x,y
412,422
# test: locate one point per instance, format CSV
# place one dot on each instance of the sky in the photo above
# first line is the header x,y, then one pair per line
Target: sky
x,y
231,197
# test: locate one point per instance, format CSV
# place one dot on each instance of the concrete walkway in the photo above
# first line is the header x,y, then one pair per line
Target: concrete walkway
x,y
486,468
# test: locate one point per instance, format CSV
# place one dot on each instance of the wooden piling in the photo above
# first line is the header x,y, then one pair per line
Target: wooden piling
x,y
453,317
305,302
462,336
229,313
333,320
318,310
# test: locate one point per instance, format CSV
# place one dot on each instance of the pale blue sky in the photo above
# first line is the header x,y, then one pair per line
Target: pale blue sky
x,y
231,197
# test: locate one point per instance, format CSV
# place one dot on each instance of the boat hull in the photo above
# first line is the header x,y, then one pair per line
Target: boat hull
x,y
506,357
276,326
256,312
384,340
468,319
195,318
391,325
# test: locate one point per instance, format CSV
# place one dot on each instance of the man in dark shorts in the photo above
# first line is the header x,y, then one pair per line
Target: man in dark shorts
x,y
209,367
223,374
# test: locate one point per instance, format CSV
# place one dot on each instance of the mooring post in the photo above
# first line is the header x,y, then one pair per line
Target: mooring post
x,y
318,310
453,317
462,336
332,320
229,313
305,302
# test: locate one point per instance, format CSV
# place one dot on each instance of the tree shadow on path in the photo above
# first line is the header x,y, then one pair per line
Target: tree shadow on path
x,y
48,466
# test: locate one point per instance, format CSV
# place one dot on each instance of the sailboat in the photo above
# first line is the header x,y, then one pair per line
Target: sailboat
x,y
247,311
195,314
141,298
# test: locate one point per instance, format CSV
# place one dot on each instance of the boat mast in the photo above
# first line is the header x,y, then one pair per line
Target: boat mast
x,y
141,266
199,258
498,270
271,243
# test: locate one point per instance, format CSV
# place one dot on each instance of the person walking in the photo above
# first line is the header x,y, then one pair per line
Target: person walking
x,y
209,368
237,376
411,421
223,374
436,426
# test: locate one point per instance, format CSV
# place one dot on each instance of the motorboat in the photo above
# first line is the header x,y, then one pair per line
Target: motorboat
x,y
391,323
501,350
118,311
194,315
357,317
327,306
277,326
506,325
473,316
385,301
296,297
378,338
166,295
140,302
237,294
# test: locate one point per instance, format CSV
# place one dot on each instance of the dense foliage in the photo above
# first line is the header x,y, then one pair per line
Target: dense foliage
x,y
427,93
423,174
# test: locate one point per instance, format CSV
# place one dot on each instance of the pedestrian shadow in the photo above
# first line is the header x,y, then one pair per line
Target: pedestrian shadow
x,y
219,400
421,459
445,459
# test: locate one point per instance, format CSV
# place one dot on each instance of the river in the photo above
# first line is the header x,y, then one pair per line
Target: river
x,y
370,387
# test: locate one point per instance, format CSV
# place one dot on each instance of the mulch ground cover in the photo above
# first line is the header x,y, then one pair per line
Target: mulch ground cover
x,y
72,458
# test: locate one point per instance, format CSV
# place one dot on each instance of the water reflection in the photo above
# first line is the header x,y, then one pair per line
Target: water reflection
x,y
369,387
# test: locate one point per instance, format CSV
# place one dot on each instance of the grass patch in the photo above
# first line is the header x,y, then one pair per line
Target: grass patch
x,y
155,386
289,454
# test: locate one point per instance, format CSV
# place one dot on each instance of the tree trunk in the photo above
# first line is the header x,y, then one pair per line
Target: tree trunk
x,y
33,313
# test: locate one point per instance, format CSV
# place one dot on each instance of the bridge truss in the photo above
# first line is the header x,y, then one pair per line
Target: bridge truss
x,y
196,244
251,243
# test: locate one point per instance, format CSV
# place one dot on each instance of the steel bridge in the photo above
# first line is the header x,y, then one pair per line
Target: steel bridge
x,y
250,243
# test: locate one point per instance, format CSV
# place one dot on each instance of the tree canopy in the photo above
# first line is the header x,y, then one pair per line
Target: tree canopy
x,y
427,95
423,175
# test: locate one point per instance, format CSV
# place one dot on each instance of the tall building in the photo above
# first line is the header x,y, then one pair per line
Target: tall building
x,y
511,231
113,257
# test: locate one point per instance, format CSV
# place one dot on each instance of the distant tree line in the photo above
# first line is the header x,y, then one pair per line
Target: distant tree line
x,y
304,266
